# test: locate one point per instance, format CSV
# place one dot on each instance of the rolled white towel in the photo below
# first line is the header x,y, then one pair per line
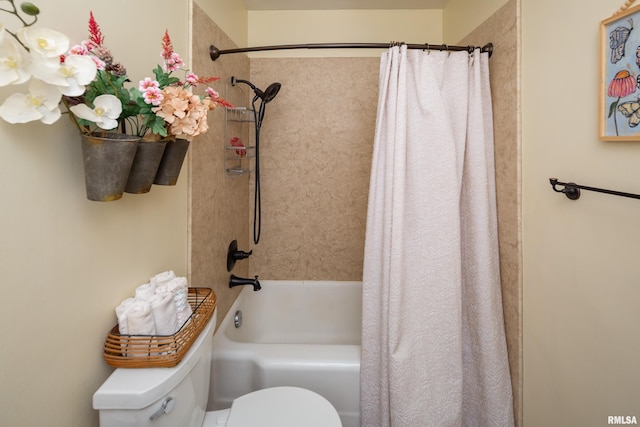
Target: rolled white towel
x,y
165,276
173,284
140,318
183,314
164,313
146,291
121,313
180,289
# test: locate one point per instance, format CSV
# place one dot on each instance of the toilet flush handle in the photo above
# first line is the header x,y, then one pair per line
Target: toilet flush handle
x,y
165,408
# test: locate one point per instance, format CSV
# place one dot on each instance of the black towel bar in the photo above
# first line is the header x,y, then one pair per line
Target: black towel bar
x,y
572,190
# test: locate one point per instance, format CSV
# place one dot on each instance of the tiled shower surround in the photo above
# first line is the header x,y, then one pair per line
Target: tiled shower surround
x,y
316,146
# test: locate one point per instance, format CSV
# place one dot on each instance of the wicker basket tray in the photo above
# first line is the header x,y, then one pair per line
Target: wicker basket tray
x,y
153,351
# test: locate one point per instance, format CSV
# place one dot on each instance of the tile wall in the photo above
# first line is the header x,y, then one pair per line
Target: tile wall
x,y
218,204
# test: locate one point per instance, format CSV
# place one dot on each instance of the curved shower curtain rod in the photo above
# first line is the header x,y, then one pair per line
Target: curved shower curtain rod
x,y
215,53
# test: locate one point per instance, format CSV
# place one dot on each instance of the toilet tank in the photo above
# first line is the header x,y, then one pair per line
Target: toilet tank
x,y
131,397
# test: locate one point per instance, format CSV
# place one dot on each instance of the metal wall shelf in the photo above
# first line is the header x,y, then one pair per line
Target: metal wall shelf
x,y
239,154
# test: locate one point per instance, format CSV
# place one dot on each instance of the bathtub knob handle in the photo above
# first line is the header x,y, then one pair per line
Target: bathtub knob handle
x,y
233,255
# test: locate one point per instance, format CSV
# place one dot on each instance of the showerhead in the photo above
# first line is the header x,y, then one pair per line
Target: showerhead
x,y
267,95
270,92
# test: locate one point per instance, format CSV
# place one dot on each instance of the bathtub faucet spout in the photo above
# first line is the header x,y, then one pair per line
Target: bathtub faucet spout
x,y
239,281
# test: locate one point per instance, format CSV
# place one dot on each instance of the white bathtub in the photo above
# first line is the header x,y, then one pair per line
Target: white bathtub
x,y
296,333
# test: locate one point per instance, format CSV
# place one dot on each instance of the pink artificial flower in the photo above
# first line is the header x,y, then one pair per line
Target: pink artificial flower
x,y
172,60
153,96
79,49
147,83
192,79
212,93
100,64
173,63
217,100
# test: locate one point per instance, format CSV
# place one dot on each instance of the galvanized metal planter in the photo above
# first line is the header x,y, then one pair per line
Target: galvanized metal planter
x,y
145,166
107,159
171,163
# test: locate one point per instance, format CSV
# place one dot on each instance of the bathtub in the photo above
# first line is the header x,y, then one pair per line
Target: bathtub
x,y
296,333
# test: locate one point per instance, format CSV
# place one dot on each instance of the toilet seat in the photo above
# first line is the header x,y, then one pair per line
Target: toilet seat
x,y
278,406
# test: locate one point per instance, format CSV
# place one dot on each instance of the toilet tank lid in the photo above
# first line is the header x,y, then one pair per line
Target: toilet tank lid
x,y
137,388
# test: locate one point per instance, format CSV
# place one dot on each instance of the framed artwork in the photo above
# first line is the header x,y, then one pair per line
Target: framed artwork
x,y
619,112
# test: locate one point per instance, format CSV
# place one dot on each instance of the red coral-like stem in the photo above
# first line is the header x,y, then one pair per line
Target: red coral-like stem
x,y
95,35
167,47
205,80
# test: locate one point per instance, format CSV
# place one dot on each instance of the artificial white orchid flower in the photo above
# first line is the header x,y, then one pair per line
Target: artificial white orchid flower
x,y
70,76
41,103
106,110
44,44
13,62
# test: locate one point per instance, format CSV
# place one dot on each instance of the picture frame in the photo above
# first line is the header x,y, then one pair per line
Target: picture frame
x,y
619,106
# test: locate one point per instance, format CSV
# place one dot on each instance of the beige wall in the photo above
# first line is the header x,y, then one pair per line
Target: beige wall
x,y
230,17
461,17
66,261
268,28
581,293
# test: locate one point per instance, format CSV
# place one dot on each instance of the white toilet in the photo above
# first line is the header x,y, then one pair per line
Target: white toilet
x,y
177,397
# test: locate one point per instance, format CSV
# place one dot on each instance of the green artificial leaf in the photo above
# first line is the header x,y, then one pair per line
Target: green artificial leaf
x,y
83,122
135,93
158,126
107,83
164,79
129,110
158,72
145,109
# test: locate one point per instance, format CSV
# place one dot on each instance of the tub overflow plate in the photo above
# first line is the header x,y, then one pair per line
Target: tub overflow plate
x,y
237,319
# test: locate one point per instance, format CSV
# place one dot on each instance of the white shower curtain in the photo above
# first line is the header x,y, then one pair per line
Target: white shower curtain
x,y
433,343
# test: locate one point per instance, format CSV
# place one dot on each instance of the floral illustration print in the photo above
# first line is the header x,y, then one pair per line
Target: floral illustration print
x,y
623,84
